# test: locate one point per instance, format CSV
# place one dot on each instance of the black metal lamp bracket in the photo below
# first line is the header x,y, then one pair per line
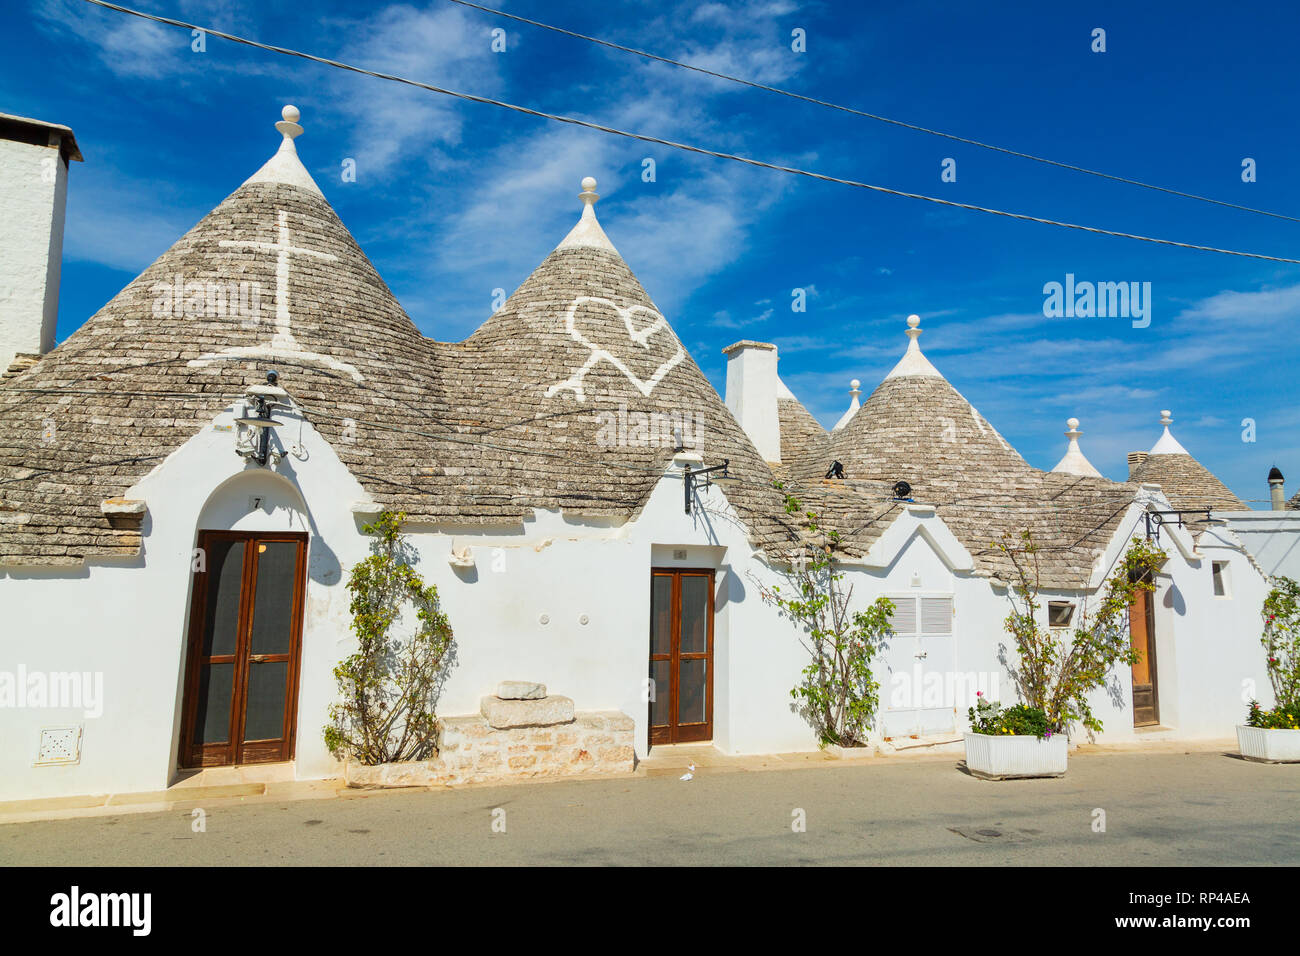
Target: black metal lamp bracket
x,y
691,478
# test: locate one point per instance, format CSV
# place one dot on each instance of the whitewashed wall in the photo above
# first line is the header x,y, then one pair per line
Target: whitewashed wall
x,y
128,620
1272,537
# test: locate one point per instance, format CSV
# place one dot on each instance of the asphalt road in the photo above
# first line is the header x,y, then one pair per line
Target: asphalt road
x,y
1159,809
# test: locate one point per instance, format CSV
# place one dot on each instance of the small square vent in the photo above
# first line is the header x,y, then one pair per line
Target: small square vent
x,y
59,745
679,555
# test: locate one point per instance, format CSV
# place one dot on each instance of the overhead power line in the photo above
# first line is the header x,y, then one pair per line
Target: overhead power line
x,y
574,121
875,116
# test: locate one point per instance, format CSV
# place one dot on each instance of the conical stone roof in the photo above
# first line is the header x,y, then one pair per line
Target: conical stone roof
x,y
518,417
916,427
270,278
1188,484
580,368
803,439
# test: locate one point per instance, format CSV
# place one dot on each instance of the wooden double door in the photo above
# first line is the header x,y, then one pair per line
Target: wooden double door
x,y
245,636
681,655
1142,633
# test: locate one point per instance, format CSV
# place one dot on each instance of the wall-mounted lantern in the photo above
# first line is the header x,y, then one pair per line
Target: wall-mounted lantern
x,y
253,439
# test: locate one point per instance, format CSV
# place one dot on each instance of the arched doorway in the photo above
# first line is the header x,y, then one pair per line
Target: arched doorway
x,y
245,624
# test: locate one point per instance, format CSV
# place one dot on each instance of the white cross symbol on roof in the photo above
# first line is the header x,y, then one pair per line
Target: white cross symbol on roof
x,y
282,344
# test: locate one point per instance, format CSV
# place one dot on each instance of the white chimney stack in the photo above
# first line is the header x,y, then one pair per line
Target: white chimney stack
x,y
34,159
752,385
1276,493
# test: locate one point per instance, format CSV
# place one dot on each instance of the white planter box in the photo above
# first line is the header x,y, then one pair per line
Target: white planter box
x,y
1269,746
1009,757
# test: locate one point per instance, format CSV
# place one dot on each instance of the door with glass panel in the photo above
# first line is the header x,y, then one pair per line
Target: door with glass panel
x,y
681,656
241,684
1142,633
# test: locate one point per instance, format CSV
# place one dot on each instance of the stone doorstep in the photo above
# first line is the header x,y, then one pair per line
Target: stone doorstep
x,y
267,773
189,794
852,753
936,746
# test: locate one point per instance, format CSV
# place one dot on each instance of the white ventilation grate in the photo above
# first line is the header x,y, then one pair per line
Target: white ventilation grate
x,y
59,745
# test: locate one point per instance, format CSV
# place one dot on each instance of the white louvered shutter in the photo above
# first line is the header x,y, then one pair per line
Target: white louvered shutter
x,y
904,619
936,615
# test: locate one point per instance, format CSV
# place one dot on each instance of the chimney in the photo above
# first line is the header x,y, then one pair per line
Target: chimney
x,y
751,394
1275,492
34,159
1135,459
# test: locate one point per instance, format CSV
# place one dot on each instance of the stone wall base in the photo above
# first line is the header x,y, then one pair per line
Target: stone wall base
x,y
471,751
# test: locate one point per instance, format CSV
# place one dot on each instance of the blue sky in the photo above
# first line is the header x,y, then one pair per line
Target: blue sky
x,y
453,199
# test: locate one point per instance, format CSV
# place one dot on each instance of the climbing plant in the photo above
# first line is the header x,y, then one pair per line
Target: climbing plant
x,y
1055,673
1281,640
838,692
389,686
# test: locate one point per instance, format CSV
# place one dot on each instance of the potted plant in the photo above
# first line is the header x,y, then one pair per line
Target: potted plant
x,y
1052,674
384,726
1007,744
1273,736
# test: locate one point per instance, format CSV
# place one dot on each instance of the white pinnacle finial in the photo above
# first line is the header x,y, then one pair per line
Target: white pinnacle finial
x,y
588,232
854,405
913,362
289,124
1168,444
1074,462
914,331
284,166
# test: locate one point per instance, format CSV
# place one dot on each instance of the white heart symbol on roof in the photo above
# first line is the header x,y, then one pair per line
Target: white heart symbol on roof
x,y
641,337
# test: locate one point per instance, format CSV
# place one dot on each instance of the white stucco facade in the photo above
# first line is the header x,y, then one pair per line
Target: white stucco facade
x,y
560,599
1272,538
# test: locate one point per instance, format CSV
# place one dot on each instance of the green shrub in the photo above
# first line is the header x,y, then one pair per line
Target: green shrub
x,y
1055,674
389,687
1020,720
838,693
1279,718
1281,640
